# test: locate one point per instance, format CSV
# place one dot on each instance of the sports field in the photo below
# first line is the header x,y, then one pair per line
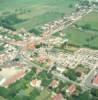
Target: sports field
x,y
32,13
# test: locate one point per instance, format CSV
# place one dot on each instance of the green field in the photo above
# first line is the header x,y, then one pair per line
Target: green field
x,y
91,19
30,14
82,38
35,12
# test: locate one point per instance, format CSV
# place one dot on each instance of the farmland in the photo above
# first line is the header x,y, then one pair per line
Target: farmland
x,y
84,33
32,13
48,50
90,19
82,38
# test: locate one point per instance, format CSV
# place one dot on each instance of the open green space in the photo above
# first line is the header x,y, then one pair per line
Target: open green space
x,y
85,32
91,20
33,13
82,38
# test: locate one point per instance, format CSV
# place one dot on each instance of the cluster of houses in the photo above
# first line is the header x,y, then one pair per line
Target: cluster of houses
x,y
8,54
58,25
71,88
86,57
28,50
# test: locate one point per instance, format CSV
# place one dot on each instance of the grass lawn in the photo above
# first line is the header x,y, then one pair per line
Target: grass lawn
x,y
29,90
44,95
36,12
1,98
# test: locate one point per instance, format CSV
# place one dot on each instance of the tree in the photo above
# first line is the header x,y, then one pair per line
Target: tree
x,y
84,96
4,92
94,92
71,74
21,97
86,26
70,6
35,92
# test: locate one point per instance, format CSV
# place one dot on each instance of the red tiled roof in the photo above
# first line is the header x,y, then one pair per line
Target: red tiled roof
x,y
42,58
14,78
95,81
72,88
34,82
54,83
44,35
30,45
58,97
38,70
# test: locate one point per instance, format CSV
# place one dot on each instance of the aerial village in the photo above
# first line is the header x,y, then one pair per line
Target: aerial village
x,y
47,63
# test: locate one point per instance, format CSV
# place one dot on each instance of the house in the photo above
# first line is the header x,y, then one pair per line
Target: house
x,y
3,58
60,69
95,80
38,70
42,57
58,96
71,89
30,45
54,84
35,83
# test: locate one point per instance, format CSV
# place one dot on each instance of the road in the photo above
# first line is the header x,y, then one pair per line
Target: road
x,y
63,78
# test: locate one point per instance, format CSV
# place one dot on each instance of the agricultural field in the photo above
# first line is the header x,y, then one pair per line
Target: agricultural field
x,y
84,33
32,13
82,38
91,20
48,50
